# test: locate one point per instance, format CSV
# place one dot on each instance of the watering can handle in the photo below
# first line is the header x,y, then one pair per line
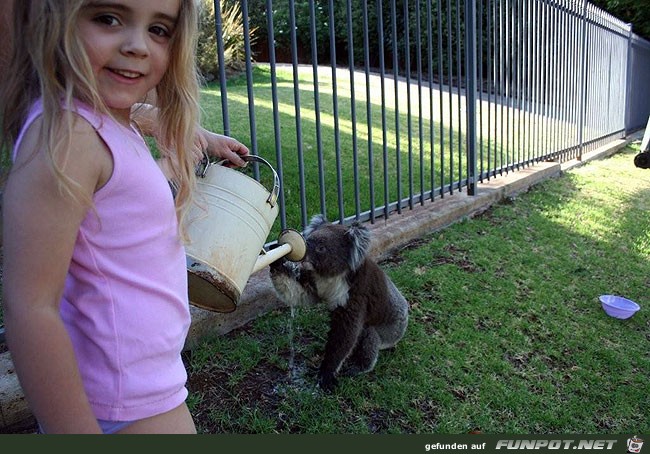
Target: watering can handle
x,y
273,195
202,168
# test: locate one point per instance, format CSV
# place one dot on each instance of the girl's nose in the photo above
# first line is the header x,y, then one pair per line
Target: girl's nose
x,y
135,44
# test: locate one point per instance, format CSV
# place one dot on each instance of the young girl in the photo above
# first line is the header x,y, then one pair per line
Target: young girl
x,y
95,288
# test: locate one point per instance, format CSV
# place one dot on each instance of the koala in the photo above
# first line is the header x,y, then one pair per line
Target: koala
x,y
367,312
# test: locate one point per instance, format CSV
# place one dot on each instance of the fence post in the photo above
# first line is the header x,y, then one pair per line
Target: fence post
x,y
470,95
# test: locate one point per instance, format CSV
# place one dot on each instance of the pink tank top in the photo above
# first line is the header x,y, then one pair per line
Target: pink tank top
x,y
125,302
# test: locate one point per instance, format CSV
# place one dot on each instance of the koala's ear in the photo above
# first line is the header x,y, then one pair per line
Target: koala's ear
x,y
316,221
360,240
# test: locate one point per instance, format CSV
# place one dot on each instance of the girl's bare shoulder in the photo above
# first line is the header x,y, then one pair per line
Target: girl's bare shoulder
x,y
83,156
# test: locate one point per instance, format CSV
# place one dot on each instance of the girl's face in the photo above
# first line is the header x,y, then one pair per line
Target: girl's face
x,y
128,45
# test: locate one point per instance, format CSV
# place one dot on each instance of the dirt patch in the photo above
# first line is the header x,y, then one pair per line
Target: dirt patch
x,y
258,389
219,391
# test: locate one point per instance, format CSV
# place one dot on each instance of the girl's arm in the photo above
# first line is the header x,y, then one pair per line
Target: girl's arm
x,y
41,223
217,145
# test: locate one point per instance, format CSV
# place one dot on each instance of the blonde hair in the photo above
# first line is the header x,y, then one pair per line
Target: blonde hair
x,y
48,61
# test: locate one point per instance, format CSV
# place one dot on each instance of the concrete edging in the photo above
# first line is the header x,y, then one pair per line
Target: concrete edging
x,y
259,298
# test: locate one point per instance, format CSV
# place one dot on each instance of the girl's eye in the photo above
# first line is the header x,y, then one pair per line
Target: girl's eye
x,y
107,19
159,31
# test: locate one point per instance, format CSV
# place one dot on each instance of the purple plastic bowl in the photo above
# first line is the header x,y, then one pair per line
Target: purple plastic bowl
x,y
618,307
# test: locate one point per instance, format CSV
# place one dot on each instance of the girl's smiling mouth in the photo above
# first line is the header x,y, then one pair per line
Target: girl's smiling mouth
x,y
126,73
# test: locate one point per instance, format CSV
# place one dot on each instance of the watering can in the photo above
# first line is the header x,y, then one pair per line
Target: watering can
x,y
228,226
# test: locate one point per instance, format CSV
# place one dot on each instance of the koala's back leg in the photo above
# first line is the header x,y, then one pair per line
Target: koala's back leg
x,y
392,331
364,356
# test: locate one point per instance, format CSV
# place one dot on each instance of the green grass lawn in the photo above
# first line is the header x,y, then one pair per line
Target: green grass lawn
x,y
506,332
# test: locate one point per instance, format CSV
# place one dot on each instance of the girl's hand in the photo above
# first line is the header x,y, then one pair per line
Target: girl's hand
x,y
219,146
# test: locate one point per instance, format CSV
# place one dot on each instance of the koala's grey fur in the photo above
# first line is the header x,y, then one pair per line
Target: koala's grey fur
x,y
367,312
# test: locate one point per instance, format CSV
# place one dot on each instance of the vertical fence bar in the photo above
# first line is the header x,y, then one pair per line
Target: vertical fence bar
x,y
335,111
459,78
441,135
276,111
628,82
296,105
451,98
543,63
575,77
409,117
353,112
319,139
527,78
508,43
502,90
398,157
525,58
470,94
563,43
514,110
552,82
432,155
490,87
594,81
371,154
573,81
544,79
583,78
418,54
222,67
587,123
384,125
249,79
479,19
532,74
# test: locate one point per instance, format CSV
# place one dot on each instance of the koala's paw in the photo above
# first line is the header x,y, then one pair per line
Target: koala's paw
x,y
284,268
351,370
278,266
327,382
284,277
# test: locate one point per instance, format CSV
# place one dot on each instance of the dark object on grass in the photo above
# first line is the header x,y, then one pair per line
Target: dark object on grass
x,y
642,160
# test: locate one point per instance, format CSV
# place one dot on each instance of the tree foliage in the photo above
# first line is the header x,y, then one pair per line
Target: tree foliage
x,y
636,12
233,39
350,19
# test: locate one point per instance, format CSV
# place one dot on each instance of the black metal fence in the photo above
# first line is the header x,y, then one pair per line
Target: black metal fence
x,y
455,92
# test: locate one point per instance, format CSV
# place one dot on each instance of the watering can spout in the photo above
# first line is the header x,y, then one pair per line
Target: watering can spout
x,y
291,245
